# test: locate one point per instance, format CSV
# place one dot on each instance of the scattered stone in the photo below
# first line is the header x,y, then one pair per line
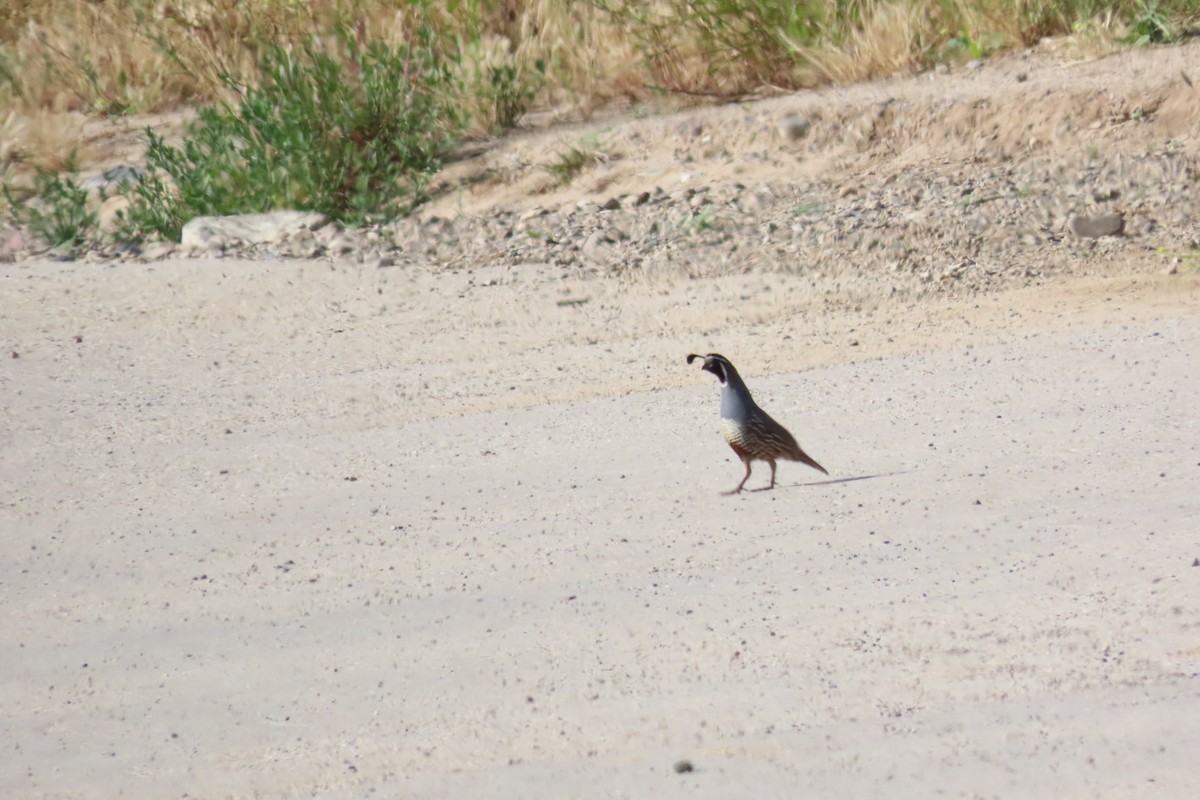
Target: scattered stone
x,y
110,211
794,127
157,251
341,244
683,765
596,245
15,242
115,177
932,227
1097,226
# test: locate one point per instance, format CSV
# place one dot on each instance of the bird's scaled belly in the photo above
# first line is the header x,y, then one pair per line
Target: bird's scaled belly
x,y
734,435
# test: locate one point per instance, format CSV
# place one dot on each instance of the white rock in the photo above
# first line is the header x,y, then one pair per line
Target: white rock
x,y
251,228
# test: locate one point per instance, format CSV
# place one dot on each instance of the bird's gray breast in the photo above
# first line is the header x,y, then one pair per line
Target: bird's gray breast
x,y
735,405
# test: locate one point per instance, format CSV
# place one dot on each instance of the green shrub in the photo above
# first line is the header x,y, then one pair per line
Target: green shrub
x,y
508,93
59,215
355,135
1150,24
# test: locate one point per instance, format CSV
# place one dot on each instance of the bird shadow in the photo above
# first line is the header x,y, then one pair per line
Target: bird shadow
x,y
833,481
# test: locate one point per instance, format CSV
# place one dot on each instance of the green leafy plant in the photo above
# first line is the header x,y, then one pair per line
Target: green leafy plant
x,y
965,46
575,159
701,220
1150,25
808,208
57,212
357,138
500,95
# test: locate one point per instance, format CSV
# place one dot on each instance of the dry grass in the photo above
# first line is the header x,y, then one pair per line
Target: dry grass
x,y
41,139
115,58
890,39
142,55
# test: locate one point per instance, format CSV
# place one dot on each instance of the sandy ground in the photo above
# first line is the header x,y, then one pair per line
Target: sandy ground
x,y
310,529
271,532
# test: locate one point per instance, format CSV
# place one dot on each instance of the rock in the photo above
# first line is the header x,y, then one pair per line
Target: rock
x,y
110,210
794,127
341,244
596,245
612,204
642,199
1094,227
205,232
15,242
157,251
117,176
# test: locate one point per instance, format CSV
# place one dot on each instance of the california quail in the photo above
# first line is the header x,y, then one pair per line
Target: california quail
x,y
751,433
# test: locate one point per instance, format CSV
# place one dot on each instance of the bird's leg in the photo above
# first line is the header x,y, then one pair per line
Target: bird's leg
x,y
770,461
745,478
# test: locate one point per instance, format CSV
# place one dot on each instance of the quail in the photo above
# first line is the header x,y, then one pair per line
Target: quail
x,y
750,431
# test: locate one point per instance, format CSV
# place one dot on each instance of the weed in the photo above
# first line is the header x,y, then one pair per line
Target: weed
x,y
965,46
1150,25
1192,254
357,141
717,45
575,159
59,214
701,220
499,94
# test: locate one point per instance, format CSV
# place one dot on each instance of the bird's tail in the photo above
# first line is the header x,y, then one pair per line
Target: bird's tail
x,y
804,458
